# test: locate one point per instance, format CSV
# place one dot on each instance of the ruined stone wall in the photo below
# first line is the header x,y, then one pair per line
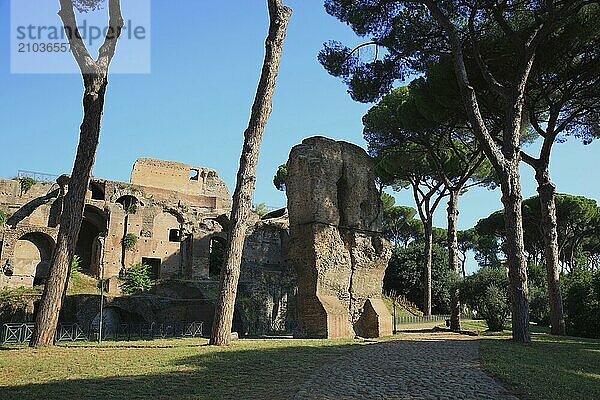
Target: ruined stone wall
x,y
339,255
179,177
268,285
171,218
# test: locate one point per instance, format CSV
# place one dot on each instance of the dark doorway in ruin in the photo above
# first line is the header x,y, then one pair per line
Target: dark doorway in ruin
x,y
97,190
154,264
89,246
174,235
216,256
33,252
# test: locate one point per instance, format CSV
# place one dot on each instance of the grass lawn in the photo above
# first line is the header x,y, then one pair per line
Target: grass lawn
x,y
550,368
165,369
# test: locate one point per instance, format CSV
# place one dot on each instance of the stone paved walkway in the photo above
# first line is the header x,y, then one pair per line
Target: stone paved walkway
x,y
422,366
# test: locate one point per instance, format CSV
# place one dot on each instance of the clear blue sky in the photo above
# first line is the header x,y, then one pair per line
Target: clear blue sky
x,y
195,104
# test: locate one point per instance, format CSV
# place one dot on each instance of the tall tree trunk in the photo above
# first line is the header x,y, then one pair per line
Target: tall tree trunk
x,y
71,218
453,257
515,249
95,79
242,198
427,276
504,158
547,191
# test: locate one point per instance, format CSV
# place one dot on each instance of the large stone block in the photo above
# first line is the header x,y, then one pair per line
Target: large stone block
x,y
336,246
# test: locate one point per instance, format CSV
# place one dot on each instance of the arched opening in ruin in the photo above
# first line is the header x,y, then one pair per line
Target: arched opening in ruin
x,y
216,256
33,252
114,318
129,203
89,244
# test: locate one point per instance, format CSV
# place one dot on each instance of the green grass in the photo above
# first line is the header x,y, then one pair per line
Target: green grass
x,y
400,310
165,369
82,284
550,368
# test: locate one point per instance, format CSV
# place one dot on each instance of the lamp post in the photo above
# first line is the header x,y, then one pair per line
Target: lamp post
x,y
102,238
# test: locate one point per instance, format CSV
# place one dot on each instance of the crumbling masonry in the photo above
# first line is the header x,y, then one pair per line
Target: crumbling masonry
x,y
336,248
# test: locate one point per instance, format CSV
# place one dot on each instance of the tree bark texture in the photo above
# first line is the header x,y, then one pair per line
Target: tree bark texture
x,y
427,275
453,257
515,249
547,191
95,77
246,178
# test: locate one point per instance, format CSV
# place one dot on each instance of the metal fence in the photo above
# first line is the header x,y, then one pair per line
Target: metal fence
x,y
16,333
21,333
38,176
415,319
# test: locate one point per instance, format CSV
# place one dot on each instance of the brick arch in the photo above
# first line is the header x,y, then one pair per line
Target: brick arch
x,y
31,257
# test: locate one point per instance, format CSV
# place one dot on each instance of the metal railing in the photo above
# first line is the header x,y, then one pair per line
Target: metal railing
x,y
416,319
70,333
38,176
142,331
21,333
16,333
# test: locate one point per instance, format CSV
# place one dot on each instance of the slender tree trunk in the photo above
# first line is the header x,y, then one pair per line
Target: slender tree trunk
x,y
95,80
71,217
517,263
427,276
246,177
453,257
547,191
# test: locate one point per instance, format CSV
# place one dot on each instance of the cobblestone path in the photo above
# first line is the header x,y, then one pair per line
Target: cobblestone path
x,y
421,366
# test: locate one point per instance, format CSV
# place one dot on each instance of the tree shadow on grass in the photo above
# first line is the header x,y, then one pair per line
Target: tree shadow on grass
x,y
273,373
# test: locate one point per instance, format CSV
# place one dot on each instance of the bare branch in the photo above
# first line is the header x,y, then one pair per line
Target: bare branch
x,y
82,56
115,26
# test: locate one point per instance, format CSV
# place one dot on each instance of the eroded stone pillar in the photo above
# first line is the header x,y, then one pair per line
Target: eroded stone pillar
x,y
338,252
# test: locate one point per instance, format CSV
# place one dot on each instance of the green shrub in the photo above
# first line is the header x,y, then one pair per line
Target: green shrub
x,y
75,267
131,208
539,306
137,278
129,241
27,183
581,302
494,308
2,217
12,302
487,292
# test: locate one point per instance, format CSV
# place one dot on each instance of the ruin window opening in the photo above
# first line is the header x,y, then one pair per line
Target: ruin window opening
x,y
216,256
174,235
194,174
154,264
97,190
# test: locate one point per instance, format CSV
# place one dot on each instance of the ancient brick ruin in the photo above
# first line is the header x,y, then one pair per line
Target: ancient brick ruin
x,y
174,210
339,255
180,215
